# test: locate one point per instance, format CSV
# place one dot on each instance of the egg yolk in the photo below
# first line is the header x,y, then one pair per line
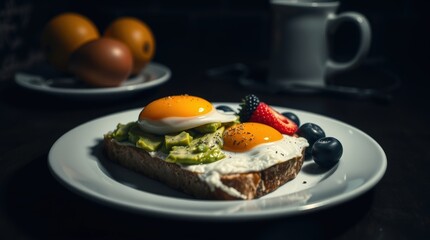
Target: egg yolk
x,y
245,136
176,106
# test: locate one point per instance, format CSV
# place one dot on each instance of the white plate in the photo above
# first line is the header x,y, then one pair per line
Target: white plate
x,y
77,161
152,75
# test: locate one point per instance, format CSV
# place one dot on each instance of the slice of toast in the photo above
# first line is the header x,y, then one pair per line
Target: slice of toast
x,y
250,185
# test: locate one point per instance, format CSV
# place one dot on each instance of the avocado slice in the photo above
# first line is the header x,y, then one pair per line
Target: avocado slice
x,y
144,140
181,139
204,149
208,128
121,132
185,155
195,146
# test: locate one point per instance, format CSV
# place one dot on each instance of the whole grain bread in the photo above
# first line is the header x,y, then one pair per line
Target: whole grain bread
x,y
251,185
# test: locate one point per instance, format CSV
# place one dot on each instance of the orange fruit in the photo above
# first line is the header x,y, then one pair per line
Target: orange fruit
x,y
138,36
63,34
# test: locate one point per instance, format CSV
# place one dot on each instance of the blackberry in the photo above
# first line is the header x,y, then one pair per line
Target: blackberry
x,y
247,107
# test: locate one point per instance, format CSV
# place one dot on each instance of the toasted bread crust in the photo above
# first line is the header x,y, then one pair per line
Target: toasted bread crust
x,y
251,185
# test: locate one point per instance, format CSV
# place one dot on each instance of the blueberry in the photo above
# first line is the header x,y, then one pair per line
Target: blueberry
x,y
327,151
293,117
312,133
224,108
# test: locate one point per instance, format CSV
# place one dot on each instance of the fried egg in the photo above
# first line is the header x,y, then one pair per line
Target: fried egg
x,y
177,113
244,137
252,147
249,147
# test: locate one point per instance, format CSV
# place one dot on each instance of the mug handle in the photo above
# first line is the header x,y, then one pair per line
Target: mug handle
x,y
364,43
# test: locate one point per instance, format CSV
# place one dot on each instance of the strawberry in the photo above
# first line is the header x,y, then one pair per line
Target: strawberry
x,y
269,116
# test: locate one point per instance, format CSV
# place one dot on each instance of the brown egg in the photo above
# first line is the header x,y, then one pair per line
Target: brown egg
x,y
103,62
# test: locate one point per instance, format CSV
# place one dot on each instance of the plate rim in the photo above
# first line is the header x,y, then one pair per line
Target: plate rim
x,y
21,80
265,213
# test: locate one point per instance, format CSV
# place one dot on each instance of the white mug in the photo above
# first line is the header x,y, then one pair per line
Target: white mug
x,y
299,50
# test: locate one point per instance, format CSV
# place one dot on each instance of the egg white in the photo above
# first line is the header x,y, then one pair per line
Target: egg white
x,y
177,124
257,158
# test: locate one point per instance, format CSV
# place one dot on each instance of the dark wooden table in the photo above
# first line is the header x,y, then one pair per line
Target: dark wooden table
x,y
34,205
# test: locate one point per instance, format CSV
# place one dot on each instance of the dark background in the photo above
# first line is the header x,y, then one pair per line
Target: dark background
x,y
237,29
193,36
